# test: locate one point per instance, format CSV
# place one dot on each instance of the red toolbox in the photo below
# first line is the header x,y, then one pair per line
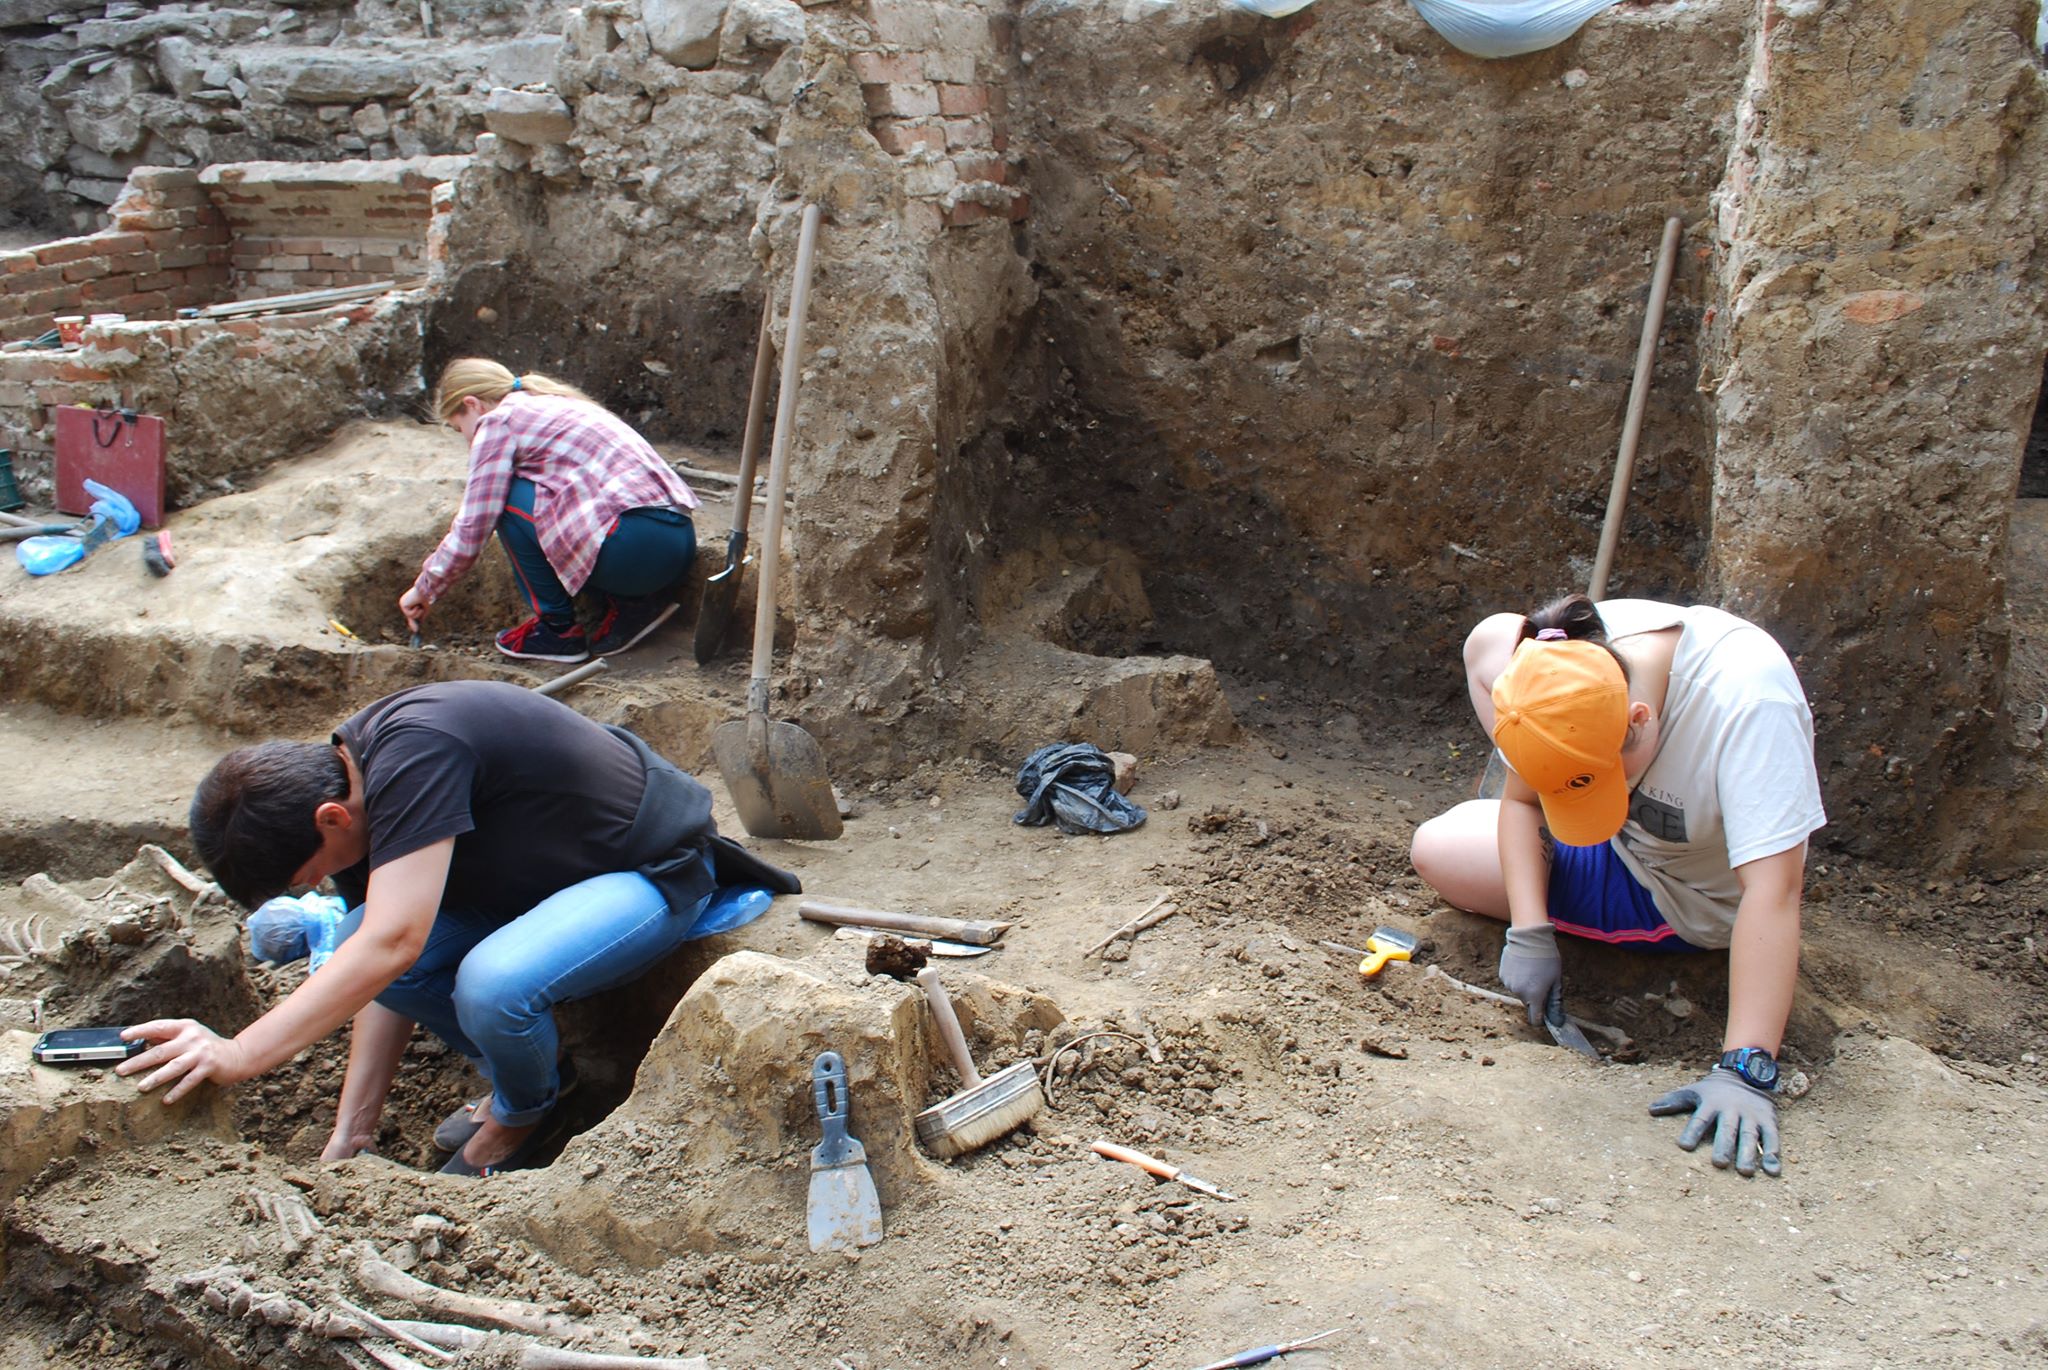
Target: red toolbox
x,y
119,448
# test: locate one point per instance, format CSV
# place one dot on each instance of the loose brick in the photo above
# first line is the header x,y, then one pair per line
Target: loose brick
x,y
983,169
963,100
904,23
67,250
968,133
146,219
887,68
37,278
966,212
901,101
899,137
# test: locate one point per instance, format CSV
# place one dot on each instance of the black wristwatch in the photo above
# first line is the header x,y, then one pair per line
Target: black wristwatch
x,y
1755,1065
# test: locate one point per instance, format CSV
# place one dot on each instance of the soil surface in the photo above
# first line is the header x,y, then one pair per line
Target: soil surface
x,y
1414,1167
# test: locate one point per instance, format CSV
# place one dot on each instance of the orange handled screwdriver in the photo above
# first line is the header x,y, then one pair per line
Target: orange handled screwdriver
x,y
1154,1166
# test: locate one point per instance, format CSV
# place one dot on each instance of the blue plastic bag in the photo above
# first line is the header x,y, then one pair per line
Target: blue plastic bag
x,y
113,516
729,907
289,927
1480,28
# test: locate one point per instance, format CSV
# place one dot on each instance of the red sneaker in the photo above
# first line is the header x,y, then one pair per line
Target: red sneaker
x,y
533,640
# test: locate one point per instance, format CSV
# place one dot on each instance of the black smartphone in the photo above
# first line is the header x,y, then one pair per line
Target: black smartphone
x,y
84,1047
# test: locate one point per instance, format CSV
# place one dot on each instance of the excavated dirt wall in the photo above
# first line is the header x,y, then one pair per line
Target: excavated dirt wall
x,y
1297,344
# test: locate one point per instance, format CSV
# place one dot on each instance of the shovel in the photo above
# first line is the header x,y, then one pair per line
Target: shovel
x,y
843,1210
775,771
1495,782
714,613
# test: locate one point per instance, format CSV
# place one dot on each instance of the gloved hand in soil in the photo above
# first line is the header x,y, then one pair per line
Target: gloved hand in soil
x,y
1744,1119
1531,968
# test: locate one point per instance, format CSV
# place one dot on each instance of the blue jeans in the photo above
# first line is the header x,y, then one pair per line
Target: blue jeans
x,y
488,987
646,552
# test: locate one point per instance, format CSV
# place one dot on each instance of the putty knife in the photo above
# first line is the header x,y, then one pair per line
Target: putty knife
x,y
844,1210
1565,1032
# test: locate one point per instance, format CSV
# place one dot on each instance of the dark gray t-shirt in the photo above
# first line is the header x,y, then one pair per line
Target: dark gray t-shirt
x,y
536,796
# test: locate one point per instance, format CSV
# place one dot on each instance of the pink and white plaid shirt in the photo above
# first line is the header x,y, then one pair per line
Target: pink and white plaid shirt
x,y
588,467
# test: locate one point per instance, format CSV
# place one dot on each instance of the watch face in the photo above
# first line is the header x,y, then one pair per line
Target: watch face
x,y
1760,1069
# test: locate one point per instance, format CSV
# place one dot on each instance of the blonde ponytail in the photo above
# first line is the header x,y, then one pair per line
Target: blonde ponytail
x,y
490,382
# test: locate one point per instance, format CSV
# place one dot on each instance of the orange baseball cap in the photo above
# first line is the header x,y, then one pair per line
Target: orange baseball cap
x,y
1560,716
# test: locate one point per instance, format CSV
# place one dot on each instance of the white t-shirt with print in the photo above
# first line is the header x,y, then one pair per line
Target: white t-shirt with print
x,y
1733,779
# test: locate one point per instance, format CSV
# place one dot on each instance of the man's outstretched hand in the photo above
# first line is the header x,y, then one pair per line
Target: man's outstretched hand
x,y
183,1054
1743,1117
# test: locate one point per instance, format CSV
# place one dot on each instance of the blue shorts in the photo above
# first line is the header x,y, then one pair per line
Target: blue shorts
x,y
1593,895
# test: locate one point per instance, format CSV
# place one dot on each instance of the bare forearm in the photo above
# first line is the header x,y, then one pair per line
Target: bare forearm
x,y
358,971
1524,871
376,1043
1763,966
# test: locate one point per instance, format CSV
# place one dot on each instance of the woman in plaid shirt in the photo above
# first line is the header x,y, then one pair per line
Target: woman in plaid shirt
x,y
579,500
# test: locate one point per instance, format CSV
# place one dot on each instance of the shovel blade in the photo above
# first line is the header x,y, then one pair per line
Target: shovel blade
x,y
776,774
714,612
844,1210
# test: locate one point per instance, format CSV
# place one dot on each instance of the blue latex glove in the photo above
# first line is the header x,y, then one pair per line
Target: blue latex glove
x,y
1744,1119
1531,968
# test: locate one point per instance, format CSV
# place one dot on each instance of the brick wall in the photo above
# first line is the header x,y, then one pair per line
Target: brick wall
x,y
310,226
273,381
166,249
936,85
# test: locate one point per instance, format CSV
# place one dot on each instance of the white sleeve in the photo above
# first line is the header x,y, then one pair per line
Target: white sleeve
x,y
1765,780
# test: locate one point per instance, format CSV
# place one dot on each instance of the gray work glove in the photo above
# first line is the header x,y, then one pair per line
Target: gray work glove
x,y
1744,1119
1531,968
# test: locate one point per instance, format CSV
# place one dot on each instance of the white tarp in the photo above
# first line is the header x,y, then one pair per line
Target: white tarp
x,y
1483,28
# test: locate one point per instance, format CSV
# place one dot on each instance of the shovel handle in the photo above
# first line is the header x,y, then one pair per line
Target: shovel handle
x,y
949,1028
778,461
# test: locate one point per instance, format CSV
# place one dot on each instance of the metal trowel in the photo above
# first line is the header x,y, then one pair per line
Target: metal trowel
x,y
1565,1032
844,1210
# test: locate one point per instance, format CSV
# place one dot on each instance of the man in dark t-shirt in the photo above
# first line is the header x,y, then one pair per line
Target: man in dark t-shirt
x,y
506,855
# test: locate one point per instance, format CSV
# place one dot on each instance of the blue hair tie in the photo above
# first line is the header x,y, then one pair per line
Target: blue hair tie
x,y
519,382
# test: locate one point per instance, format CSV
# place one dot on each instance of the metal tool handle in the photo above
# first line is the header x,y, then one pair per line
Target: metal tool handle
x,y
949,1028
828,1089
778,463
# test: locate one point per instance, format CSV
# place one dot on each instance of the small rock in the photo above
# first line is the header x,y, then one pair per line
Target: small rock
x,y
1126,765
1796,1086
1576,78
1169,800
1678,1006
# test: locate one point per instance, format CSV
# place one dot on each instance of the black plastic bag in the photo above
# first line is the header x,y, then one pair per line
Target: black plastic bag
x,y
1073,784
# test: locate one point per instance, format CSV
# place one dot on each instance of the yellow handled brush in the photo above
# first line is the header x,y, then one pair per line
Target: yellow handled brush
x,y
1387,944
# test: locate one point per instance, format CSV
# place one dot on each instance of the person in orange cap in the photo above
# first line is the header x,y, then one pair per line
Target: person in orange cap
x,y
1661,794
